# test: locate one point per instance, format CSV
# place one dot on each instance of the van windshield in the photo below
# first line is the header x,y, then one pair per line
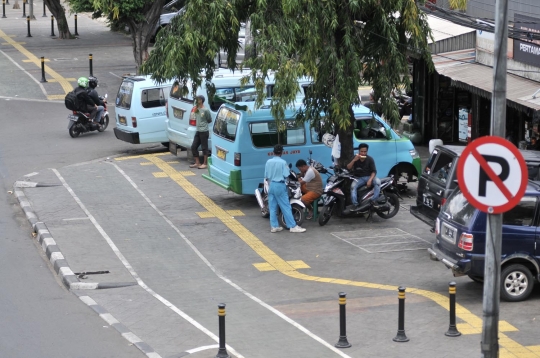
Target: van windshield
x,y
226,124
459,209
265,134
123,99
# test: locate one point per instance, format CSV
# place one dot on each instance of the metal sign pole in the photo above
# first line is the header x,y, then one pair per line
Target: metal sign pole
x,y
492,268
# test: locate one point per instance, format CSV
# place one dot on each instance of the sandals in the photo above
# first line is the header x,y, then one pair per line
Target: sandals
x,y
202,166
194,165
309,216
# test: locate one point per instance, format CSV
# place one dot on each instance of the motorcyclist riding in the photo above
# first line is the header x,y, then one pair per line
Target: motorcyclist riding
x,y
364,169
92,92
89,105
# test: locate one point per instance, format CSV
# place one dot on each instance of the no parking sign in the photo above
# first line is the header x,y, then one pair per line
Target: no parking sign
x,y
492,174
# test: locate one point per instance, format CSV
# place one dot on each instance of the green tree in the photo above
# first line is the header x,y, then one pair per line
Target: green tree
x,y
341,44
140,16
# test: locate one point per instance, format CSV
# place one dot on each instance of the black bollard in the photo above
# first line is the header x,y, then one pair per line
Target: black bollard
x,y
43,70
90,63
222,352
24,8
342,342
7,2
452,329
44,14
401,337
4,9
76,33
52,26
28,25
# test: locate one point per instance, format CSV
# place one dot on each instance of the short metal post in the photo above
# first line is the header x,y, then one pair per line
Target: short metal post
x,y
52,26
24,8
43,69
90,63
342,342
401,337
44,13
452,329
7,2
76,33
28,25
4,9
222,352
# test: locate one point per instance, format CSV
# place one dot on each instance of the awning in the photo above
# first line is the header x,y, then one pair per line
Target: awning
x,y
478,79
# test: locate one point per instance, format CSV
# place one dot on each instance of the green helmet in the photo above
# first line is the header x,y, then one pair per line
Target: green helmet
x,y
83,82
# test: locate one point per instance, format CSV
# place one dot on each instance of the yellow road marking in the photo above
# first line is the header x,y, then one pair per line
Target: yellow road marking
x,y
66,86
207,214
265,266
18,43
509,347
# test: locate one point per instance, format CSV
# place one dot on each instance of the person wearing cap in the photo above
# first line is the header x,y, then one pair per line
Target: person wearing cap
x,y
275,171
202,118
365,171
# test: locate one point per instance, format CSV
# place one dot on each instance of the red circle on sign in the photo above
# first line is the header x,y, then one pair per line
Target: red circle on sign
x,y
468,151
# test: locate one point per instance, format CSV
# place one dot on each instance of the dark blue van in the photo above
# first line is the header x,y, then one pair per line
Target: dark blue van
x,y
461,241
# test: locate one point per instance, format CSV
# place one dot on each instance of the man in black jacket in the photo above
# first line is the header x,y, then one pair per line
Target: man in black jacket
x,y
92,92
88,104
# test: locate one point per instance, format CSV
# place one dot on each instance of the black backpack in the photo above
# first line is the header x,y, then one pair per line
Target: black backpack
x,y
72,102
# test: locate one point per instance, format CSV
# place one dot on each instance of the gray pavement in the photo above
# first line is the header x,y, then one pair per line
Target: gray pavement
x,y
174,246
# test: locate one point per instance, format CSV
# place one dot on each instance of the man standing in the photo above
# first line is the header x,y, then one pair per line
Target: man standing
x,y
311,185
202,117
364,169
276,171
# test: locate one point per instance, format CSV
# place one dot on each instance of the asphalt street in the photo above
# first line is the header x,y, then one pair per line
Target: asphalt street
x,y
152,248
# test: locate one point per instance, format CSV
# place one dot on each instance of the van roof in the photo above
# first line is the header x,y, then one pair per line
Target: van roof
x,y
529,156
265,108
141,78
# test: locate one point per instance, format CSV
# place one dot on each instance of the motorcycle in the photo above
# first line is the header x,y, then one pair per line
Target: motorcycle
x,y
335,199
80,122
295,193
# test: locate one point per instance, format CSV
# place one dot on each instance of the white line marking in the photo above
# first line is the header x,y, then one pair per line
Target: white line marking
x,y
31,174
203,348
115,75
201,256
22,69
88,300
73,219
132,271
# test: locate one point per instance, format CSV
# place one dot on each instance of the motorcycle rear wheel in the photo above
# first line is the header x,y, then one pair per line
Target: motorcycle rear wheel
x,y
73,132
265,212
298,215
393,201
104,123
325,214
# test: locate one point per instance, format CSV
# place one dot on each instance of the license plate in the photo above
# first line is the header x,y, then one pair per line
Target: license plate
x,y
428,201
72,117
448,233
122,120
172,148
221,153
178,113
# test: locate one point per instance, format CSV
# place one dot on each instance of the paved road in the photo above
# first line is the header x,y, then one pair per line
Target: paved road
x,y
175,245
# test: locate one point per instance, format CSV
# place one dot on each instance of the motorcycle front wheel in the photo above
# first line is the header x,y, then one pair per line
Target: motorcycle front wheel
x,y
298,215
392,201
325,214
73,132
104,123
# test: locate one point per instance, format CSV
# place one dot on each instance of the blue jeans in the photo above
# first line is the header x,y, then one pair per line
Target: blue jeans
x,y
278,196
376,182
99,113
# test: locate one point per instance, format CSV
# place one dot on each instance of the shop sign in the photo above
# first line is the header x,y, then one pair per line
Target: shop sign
x,y
463,127
527,51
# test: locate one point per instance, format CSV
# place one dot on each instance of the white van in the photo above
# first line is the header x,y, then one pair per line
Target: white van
x,y
140,110
181,131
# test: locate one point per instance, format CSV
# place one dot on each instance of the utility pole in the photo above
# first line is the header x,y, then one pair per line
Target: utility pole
x,y
492,268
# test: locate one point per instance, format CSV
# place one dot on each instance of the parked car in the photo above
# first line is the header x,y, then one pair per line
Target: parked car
x,y
461,236
140,110
439,179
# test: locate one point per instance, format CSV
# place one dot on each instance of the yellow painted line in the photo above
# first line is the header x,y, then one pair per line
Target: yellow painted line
x,y
511,347
56,96
265,266
67,79
66,86
27,61
18,43
207,214
160,175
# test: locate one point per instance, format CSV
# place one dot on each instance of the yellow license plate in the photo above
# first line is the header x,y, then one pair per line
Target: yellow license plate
x,y
122,120
221,154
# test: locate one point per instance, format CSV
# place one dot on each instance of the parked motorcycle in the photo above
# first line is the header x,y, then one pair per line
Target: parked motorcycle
x,y
295,193
80,122
335,198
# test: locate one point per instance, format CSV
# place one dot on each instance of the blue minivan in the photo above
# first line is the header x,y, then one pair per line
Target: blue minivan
x,y
461,241
243,139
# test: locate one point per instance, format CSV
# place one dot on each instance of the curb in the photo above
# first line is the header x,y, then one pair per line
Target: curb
x,y
69,279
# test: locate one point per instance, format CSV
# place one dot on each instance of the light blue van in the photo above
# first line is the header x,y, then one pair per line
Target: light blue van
x,y
243,141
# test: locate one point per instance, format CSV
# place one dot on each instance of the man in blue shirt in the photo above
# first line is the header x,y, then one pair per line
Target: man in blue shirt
x,y
276,171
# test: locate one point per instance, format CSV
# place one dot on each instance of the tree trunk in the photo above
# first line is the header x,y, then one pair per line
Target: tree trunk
x,y
140,35
16,5
57,10
346,141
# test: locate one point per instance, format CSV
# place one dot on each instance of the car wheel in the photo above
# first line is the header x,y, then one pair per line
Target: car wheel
x,y
476,279
516,283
